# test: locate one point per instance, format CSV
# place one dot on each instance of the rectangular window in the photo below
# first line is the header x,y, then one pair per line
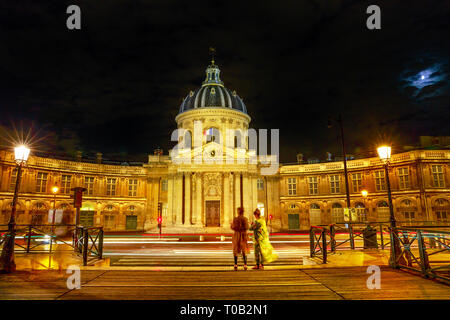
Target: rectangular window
x,y
335,186
41,182
292,186
65,184
380,181
313,185
260,183
438,176
132,187
403,178
164,185
357,182
12,183
111,186
89,185
409,216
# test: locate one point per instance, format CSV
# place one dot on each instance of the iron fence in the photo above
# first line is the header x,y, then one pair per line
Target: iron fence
x,y
84,241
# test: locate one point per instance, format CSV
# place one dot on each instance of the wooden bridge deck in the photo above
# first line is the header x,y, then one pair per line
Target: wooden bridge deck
x,y
321,284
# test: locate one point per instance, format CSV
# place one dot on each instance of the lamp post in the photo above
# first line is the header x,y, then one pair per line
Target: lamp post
x,y
384,152
7,264
55,190
347,190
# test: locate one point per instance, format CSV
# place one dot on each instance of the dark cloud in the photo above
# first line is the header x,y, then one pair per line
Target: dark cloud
x,y
116,86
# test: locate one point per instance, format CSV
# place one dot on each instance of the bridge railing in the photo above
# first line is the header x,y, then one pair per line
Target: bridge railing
x,y
425,250
85,241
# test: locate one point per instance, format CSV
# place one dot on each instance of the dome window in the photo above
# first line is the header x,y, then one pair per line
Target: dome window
x,y
191,94
213,91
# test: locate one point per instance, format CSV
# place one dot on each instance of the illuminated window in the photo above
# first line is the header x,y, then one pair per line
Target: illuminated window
x,y
292,186
438,176
41,182
111,186
89,185
313,185
403,178
380,181
212,134
132,187
335,186
357,182
65,184
442,209
260,183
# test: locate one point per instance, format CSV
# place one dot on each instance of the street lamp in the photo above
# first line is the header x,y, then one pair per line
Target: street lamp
x,y
347,190
55,190
7,264
384,152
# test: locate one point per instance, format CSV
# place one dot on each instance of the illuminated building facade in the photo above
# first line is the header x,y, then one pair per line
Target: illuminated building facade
x,y
203,196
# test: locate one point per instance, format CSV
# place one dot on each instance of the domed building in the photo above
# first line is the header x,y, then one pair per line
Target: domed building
x,y
212,171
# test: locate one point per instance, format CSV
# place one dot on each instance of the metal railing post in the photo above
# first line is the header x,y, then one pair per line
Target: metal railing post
x,y
324,245
424,263
85,246
381,236
100,244
393,261
29,239
332,238
352,239
311,242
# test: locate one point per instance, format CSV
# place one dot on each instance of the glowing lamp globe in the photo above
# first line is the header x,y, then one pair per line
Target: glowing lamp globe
x,y
55,189
384,152
21,154
364,193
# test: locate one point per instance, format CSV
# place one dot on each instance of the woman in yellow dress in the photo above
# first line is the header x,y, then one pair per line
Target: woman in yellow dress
x,y
264,252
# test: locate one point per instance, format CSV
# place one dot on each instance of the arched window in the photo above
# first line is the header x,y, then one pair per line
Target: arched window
x,y
187,140
109,217
237,139
337,213
408,211
361,212
314,206
383,212
442,210
212,135
314,215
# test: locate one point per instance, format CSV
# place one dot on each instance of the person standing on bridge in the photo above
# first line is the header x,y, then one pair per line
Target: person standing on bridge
x,y
264,252
240,245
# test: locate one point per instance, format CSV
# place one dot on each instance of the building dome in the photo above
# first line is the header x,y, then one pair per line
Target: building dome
x,y
213,94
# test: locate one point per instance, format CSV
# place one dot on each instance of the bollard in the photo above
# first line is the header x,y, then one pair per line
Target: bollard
x,y
202,238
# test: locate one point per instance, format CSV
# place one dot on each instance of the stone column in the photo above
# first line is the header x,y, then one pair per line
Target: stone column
x,y
227,201
237,191
187,199
254,187
178,195
248,211
197,218
167,221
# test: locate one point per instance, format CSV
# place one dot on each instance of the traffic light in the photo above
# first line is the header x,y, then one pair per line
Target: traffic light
x,y
159,220
270,217
78,196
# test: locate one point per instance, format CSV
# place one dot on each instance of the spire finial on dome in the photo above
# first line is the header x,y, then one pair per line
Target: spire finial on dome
x,y
212,52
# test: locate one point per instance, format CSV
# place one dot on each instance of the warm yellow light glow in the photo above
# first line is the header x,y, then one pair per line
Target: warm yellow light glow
x,y
384,152
55,189
21,153
364,193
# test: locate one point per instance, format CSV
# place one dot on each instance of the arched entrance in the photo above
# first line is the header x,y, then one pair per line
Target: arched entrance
x,y
383,214
361,212
441,210
294,217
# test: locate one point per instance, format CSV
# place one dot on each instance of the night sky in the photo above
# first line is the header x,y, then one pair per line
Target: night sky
x,y
116,85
